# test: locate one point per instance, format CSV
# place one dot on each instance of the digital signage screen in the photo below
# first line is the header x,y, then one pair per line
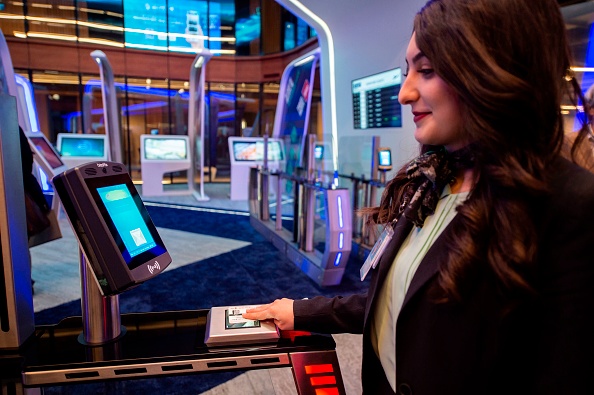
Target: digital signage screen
x,y
253,151
375,100
82,146
190,24
146,24
165,148
296,101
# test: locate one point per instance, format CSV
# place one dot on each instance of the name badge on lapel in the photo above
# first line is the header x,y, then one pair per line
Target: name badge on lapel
x,y
377,251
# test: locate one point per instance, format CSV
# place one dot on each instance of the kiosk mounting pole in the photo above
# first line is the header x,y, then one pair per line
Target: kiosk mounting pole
x,y
100,314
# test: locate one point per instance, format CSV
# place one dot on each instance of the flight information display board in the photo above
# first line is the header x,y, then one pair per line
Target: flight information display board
x,y
375,100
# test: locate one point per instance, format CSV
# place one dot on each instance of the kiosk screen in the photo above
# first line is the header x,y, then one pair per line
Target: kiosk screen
x,y
384,159
319,152
127,219
165,148
48,152
245,151
81,146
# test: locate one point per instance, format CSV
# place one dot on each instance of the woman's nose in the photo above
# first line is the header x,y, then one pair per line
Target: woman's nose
x,y
408,92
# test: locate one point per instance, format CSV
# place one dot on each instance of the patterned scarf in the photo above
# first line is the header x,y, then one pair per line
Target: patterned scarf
x,y
430,173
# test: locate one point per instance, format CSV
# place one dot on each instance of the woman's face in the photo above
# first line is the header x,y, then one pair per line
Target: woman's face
x,y
436,109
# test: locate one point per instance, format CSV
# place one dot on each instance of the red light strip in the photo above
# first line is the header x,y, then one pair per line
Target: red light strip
x,y
322,380
327,391
323,368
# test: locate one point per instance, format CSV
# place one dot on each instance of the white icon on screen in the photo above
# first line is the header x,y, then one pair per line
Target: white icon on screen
x,y
138,237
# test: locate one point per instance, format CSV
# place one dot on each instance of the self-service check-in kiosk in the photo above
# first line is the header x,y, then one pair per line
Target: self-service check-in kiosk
x,y
123,249
113,228
248,152
160,155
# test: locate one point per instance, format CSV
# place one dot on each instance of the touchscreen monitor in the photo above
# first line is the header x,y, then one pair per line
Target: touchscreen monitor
x,y
82,145
165,148
126,222
47,150
248,151
384,159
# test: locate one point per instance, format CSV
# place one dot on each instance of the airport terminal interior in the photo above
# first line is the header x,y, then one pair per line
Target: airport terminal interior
x,y
234,141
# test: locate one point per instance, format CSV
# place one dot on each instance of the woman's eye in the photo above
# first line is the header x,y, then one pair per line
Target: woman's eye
x,y
425,71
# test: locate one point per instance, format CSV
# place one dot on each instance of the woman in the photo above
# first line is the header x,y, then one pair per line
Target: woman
x,y
487,285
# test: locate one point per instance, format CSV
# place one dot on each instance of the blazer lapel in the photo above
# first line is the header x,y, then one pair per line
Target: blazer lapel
x,y
430,264
401,231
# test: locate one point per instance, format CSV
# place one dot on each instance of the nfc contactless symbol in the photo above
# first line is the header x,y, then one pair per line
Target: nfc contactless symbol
x,y
152,268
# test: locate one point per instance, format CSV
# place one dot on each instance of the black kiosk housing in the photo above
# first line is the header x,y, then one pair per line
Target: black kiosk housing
x,y
114,229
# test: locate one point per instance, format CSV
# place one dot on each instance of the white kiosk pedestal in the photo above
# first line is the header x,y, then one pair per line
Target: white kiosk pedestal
x,y
160,155
248,152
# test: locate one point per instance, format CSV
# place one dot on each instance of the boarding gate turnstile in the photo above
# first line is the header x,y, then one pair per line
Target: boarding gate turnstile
x,y
327,267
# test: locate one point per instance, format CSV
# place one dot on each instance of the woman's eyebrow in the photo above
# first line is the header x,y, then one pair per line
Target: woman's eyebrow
x,y
418,57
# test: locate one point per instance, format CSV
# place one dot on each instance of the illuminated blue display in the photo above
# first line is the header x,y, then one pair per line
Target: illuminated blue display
x,y
79,146
176,25
146,24
127,219
247,29
188,24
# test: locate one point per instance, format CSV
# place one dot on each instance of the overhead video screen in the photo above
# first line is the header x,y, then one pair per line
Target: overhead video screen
x,y
244,151
81,146
188,25
165,148
146,24
48,152
175,25
375,100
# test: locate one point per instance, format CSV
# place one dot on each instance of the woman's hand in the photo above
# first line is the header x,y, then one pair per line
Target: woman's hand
x,y
281,311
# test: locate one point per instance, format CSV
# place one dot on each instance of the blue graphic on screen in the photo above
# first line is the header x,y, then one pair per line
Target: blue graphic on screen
x,y
127,219
190,24
146,24
85,147
247,29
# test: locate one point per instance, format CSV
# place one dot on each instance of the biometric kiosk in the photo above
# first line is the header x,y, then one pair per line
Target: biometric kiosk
x,y
123,249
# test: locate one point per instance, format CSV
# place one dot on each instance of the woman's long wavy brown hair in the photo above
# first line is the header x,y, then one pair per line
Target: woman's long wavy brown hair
x,y
508,62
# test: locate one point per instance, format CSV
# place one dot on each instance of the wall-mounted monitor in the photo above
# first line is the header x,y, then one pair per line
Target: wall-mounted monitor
x,y
46,150
384,159
164,147
252,150
82,146
375,100
113,227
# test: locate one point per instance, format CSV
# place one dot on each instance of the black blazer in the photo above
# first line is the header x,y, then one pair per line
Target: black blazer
x,y
541,345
